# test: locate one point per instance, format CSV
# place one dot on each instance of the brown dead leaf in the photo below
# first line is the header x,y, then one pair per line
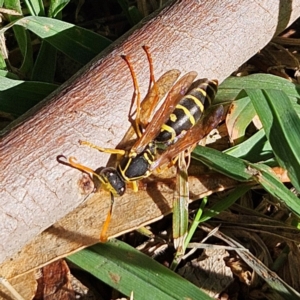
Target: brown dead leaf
x,y
54,282
209,272
240,269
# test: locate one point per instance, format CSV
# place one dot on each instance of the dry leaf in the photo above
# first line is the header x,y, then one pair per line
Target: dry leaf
x,y
209,272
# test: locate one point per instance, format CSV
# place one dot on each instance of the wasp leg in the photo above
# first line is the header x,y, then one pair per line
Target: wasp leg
x,y
152,90
134,186
74,164
150,60
173,161
171,164
106,150
103,234
152,85
136,97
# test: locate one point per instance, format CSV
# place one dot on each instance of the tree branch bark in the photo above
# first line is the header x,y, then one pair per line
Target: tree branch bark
x,y
211,37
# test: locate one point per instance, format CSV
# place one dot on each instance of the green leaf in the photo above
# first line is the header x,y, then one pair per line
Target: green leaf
x,y
18,96
224,203
265,176
14,5
131,12
2,63
127,270
78,43
232,86
255,149
135,15
228,165
22,37
282,127
35,7
45,64
243,170
239,117
8,75
56,6
24,42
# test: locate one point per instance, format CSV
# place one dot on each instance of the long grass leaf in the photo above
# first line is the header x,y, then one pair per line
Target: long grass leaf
x,y
128,270
78,43
282,128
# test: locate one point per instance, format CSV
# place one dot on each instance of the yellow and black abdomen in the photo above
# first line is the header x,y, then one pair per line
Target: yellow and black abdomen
x,y
189,110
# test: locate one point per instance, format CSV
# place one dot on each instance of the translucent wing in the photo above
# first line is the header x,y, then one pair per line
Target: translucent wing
x,y
156,93
162,114
151,100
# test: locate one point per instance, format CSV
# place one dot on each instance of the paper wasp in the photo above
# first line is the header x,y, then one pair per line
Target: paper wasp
x,y
177,123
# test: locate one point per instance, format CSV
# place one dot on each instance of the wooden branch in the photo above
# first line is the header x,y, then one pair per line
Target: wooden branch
x,y
210,37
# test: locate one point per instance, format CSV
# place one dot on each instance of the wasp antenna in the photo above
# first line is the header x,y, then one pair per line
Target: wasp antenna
x,y
62,160
72,162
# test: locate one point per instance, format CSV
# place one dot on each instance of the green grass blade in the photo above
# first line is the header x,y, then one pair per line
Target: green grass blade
x,y
45,64
264,176
180,205
282,127
195,221
18,96
78,43
13,5
232,86
243,170
22,37
35,7
239,117
134,14
255,149
2,63
8,75
228,165
225,203
131,13
56,6
127,270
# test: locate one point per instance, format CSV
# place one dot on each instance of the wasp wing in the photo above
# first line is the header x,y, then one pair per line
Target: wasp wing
x,y
162,114
209,121
149,103
156,93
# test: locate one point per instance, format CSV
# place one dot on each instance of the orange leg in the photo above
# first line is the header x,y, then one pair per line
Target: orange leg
x,y
136,96
105,150
103,234
152,90
152,83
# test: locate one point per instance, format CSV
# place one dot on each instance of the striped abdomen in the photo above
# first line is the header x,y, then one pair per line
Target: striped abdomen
x,y
189,110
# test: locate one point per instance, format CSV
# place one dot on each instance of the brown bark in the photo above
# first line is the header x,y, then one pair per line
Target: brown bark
x,y
211,37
